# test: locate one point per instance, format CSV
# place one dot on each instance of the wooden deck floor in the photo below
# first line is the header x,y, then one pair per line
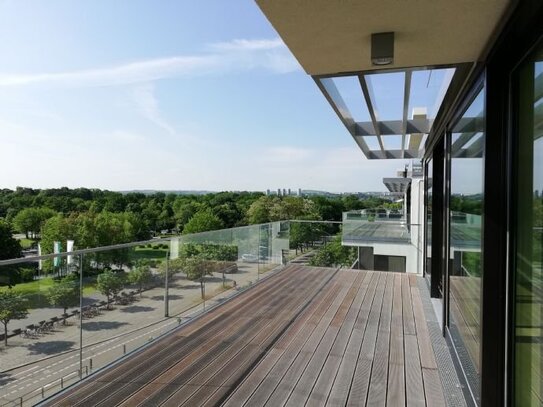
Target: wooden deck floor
x,y
307,336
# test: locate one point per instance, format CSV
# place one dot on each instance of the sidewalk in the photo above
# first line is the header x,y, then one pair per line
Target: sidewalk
x,y
148,309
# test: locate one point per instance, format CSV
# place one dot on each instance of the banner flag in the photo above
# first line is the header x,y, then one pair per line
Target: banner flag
x,y
70,248
57,248
174,248
39,261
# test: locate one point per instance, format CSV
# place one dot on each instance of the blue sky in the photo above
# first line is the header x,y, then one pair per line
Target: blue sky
x,y
164,95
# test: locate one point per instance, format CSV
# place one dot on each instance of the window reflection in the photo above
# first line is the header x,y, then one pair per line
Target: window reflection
x,y
529,232
429,184
465,239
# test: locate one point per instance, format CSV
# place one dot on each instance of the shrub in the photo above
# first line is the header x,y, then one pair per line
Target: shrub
x,y
27,274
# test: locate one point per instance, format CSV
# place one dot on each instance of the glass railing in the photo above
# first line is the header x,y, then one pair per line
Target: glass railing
x,y
375,226
465,231
71,314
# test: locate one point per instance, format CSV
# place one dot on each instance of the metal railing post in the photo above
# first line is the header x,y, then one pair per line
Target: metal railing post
x,y
80,316
166,294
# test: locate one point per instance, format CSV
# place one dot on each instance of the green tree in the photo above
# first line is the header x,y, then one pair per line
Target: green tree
x,y
328,208
259,211
196,268
203,221
12,306
210,251
31,220
9,249
58,228
303,234
174,266
183,211
352,202
64,294
109,284
333,255
141,275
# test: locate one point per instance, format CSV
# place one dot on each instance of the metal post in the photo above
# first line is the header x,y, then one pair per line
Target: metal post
x,y
86,370
42,393
166,295
80,316
62,382
124,349
21,401
90,364
258,253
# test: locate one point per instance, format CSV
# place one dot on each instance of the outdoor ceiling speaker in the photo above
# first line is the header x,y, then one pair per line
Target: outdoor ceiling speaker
x,y
382,48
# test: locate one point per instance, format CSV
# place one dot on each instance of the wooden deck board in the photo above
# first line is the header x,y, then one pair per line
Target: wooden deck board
x,y
379,376
362,375
306,336
262,392
342,383
396,363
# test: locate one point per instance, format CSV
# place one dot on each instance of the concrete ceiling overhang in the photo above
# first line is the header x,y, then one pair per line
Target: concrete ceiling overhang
x,y
397,185
333,36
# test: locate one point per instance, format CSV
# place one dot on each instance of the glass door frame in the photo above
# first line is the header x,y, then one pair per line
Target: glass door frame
x,y
477,86
514,140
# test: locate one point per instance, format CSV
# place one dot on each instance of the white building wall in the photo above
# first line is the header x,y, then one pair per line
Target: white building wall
x,y
391,249
417,222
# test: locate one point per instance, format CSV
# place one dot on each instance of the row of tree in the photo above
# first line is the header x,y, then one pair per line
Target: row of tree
x,y
196,261
27,209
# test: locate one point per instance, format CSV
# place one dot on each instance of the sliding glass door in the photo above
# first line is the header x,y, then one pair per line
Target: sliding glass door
x,y
528,232
465,152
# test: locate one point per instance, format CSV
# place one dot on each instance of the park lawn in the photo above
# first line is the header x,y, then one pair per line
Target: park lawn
x,y
35,291
26,243
32,287
149,253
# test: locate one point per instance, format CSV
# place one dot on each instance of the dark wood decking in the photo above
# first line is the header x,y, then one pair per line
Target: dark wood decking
x,y
307,336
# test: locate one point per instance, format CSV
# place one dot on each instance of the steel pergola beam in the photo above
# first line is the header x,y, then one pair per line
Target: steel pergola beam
x,y
332,95
406,95
393,127
369,97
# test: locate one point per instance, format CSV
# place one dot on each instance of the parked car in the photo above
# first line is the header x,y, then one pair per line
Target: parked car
x,y
249,258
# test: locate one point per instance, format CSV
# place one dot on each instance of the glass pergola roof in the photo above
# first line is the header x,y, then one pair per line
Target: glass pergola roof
x,y
389,114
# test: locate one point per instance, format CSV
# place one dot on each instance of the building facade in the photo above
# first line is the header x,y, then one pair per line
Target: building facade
x,y
459,86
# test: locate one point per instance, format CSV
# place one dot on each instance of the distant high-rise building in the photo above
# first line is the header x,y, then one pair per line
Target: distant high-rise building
x,y
299,191
278,191
284,192
267,192
289,191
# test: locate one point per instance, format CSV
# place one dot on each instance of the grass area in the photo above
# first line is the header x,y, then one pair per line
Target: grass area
x,y
32,287
27,243
149,253
35,291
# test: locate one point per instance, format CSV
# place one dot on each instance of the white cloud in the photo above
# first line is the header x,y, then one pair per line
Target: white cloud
x,y
234,56
248,45
147,104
